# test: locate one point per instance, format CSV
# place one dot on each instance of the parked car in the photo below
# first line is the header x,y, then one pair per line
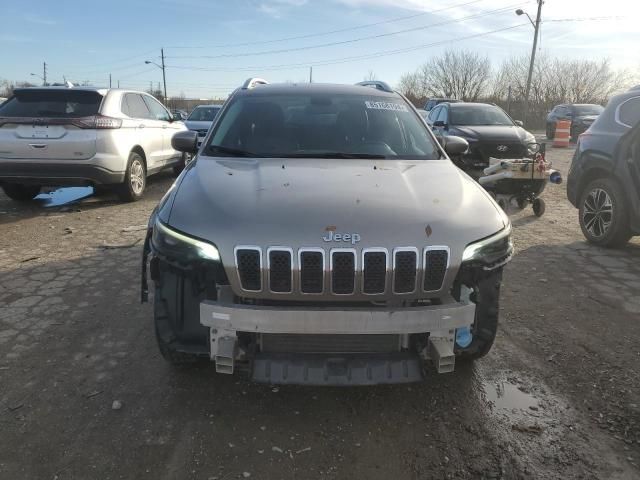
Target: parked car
x,y
581,117
201,118
423,113
322,236
487,128
179,115
60,136
604,178
2,100
432,102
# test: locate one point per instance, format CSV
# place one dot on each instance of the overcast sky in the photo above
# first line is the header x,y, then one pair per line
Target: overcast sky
x,y
212,46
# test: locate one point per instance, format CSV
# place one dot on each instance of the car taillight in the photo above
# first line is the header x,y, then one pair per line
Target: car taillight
x,y
97,122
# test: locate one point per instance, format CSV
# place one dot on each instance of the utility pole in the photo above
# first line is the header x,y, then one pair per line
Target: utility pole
x,y
536,26
164,79
44,73
310,74
509,101
109,80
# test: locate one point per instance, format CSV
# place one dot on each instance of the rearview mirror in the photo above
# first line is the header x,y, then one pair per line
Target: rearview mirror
x,y
519,123
439,123
455,145
186,142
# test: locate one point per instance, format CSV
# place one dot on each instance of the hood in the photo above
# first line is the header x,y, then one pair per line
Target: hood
x,y
197,125
491,133
292,202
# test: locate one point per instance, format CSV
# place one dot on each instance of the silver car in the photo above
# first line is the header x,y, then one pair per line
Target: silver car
x,y
201,119
322,236
60,136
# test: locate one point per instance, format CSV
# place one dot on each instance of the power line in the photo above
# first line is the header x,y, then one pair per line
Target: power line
x,y
336,61
331,32
353,40
584,19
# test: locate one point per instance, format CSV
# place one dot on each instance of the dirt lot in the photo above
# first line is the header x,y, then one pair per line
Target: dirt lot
x,y
558,397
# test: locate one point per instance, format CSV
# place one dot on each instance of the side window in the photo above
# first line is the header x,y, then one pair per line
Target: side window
x,y
629,112
135,106
442,116
158,112
433,114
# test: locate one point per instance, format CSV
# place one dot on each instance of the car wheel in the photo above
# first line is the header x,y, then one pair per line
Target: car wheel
x,y
486,322
539,207
603,215
21,193
550,132
135,179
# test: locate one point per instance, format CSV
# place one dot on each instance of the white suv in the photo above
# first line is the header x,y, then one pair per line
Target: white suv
x,y
59,136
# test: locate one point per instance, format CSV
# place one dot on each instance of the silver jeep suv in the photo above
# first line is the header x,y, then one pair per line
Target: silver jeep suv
x,y
322,236
59,136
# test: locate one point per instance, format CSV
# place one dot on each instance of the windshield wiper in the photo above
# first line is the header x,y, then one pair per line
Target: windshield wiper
x,y
232,152
334,155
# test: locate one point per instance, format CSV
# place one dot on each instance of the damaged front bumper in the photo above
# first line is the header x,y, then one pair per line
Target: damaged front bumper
x,y
440,322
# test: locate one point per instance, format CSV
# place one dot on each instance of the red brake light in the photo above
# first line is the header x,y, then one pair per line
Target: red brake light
x,y
97,122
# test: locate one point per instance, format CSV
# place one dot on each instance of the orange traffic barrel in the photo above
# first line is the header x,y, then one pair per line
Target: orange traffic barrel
x,y
561,137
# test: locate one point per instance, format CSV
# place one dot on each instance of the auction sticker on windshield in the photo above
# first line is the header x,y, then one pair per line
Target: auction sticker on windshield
x,y
386,106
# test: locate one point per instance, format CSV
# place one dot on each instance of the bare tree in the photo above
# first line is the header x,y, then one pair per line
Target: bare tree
x,y
371,75
411,87
458,74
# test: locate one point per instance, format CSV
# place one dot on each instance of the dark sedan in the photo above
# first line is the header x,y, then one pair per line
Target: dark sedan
x,y
580,115
488,129
604,178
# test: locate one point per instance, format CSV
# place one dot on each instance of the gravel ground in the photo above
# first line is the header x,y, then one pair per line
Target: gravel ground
x,y
84,393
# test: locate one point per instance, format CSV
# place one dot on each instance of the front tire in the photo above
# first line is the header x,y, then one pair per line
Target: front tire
x,y
135,179
603,214
550,132
21,193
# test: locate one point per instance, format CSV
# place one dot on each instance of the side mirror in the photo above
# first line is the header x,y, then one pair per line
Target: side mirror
x,y
186,142
455,145
440,124
519,123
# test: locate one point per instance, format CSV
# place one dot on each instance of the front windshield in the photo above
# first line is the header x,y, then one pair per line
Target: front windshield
x,y
321,125
204,114
587,110
475,115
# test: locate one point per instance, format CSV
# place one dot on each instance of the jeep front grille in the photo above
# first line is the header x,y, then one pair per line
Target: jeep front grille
x,y
436,262
341,271
405,270
249,261
280,270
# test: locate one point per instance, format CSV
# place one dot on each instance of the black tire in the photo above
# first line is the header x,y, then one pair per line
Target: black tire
x,y
486,321
21,193
135,179
593,218
165,338
539,207
522,203
551,131
502,204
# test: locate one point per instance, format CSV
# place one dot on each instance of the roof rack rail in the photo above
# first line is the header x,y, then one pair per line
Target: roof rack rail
x,y
253,82
377,84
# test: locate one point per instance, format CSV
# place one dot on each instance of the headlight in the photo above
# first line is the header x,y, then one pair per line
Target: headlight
x,y
532,145
180,246
492,251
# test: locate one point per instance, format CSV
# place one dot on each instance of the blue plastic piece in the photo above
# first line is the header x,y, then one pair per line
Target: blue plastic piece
x,y
555,177
64,196
463,337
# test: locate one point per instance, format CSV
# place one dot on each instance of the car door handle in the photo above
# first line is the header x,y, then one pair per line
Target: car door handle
x,y
164,126
142,125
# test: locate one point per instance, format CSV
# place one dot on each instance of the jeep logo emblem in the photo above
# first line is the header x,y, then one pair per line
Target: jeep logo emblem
x,y
331,236
502,148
